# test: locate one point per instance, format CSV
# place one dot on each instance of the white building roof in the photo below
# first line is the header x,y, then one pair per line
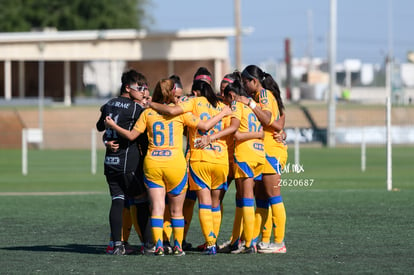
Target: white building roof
x,y
126,44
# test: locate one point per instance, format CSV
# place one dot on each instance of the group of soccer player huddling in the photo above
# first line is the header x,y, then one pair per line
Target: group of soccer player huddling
x,y
154,182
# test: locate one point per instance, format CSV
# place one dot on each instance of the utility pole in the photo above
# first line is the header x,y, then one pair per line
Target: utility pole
x,y
332,77
310,39
237,23
288,61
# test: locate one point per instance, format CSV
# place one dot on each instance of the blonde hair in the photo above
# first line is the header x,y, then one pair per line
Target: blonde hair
x,y
163,91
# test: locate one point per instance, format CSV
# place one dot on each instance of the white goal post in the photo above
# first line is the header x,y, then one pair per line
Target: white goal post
x,y
29,135
93,151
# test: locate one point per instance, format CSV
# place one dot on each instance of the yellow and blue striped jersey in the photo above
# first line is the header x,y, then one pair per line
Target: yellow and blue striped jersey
x,y
268,102
251,149
165,135
216,152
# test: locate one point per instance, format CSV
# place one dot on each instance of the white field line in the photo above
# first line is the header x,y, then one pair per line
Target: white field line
x,y
288,189
49,193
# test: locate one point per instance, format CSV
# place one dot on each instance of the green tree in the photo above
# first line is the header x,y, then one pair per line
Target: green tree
x,y
25,15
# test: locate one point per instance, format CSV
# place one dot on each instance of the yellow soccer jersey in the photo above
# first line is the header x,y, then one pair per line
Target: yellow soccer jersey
x,y
251,150
217,151
268,102
165,135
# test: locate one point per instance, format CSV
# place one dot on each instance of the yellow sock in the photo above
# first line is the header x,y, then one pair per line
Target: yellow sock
x,y
278,218
267,228
167,229
237,224
262,207
156,228
188,210
206,223
126,224
216,220
178,229
133,212
222,214
248,220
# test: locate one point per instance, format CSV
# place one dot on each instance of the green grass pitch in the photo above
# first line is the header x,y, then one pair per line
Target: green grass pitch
x,y
343,221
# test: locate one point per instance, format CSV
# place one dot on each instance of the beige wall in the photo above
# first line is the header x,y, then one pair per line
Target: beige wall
x,y
154,70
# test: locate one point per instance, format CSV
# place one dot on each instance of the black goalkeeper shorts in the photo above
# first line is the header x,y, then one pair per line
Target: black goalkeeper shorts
x,y
125,184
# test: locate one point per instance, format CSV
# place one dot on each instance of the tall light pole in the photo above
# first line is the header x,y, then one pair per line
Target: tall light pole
x,y
388,87
332,77
237,23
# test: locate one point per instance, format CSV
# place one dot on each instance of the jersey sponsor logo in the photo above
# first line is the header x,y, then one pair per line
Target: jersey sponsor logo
x,y
112,160
263,96
161,153
118,104
258,146
213,148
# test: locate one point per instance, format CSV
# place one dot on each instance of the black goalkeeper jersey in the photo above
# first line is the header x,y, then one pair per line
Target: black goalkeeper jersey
x,y
124,112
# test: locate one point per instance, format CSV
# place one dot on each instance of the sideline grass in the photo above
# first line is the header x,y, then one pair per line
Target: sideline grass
x,y
51,171
344,223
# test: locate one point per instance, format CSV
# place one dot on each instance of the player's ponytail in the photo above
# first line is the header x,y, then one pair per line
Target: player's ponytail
x,y
267,82
207,91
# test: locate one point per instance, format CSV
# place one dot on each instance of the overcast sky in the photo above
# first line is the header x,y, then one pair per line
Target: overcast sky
x,y
363,26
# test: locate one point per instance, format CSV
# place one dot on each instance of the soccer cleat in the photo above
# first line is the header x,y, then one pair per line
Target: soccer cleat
x,y
110,248
278,247
249,250
147,249
119,250
159,251
128,248
237,247
273,248
178,251
224,245
202,247
167,247
262,247
186,246
210,250
225,249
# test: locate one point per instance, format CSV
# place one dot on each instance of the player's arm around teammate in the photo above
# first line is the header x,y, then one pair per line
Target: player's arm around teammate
x,y
268,106
165,136
248,163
